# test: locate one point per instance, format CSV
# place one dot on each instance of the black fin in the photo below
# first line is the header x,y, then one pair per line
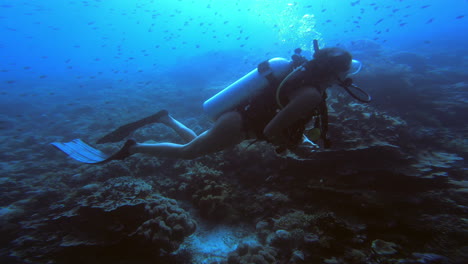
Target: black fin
x,y
125,130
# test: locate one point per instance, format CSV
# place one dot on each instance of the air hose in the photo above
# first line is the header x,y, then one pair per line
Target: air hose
x,y
278,90
347,83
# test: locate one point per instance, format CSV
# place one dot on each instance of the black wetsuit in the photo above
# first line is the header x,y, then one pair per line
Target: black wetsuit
x,y
259,110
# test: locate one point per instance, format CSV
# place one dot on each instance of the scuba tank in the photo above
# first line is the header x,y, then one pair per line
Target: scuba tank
x,y
246,87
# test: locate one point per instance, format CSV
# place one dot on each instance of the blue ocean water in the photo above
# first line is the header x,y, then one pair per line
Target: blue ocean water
x,y
80,69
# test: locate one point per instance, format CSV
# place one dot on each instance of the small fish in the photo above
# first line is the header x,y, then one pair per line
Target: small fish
x,y
460,17
425,6
380,20
402,24
430,21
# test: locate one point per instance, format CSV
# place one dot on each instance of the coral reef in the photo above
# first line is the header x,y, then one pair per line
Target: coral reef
x,y
121,221
215,197
321,234
212,200
247,254
267,203
436,163
381,247
392,188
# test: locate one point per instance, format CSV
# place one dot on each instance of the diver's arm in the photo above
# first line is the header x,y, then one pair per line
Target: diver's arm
x,y
301,104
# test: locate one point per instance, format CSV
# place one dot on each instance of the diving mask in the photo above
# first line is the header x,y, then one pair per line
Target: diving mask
x,y
355,67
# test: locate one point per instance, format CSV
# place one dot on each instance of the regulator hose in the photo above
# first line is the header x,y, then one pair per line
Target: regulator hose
x,y
347,83
278,90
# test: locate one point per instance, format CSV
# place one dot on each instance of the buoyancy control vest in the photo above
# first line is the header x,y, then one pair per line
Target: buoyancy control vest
x,y
260,82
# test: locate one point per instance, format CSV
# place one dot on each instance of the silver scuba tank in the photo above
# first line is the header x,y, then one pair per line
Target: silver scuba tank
x,y
247,86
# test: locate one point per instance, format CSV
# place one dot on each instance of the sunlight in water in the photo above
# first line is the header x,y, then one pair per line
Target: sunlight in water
x,y
294,27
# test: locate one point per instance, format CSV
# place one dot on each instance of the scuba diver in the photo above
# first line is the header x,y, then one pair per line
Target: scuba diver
x,y
272,103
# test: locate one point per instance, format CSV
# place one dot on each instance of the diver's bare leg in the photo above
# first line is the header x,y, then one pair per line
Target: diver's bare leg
x,y
184,132
226,132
